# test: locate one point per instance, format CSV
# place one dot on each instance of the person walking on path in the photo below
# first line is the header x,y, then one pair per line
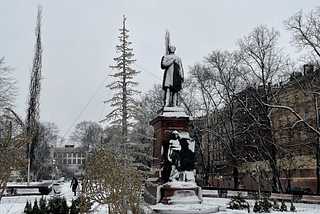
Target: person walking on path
x,y
74,185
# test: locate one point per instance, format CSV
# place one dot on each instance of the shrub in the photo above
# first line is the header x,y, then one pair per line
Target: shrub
x,y
275,206
292,208
238,203
57,205
283,207
43,206
265,204
35,209
28,208
256,207
75,206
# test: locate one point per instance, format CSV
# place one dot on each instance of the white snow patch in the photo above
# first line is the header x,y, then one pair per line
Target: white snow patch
x,y
181,184
16,204
173,112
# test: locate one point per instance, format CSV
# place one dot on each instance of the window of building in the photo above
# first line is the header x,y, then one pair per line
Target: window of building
x,y
281,137
288,120
296,99
280,122
79,161
290,137
306,96
288,101
299,135
308,134
307,113
69,161
74,161
65,154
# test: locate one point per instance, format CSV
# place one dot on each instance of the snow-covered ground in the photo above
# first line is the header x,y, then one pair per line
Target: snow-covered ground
x,y
10,205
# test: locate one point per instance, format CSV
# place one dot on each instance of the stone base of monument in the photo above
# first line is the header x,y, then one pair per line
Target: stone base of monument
x,y
181,193
182,197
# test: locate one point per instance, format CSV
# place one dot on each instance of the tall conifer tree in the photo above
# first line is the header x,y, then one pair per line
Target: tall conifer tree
x,y
123,102
33,112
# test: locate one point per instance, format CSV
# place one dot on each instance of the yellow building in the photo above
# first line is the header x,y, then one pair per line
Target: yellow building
x,y
295,125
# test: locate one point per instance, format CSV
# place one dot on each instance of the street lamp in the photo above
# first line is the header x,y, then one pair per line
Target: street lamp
x,y
258,166
53,169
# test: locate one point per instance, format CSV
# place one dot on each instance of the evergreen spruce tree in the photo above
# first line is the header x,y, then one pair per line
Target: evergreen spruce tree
x,y
292,208
28,208
257,207
43,206
275,206
35,209
58,205
283,207
238,203
123,102
64,207
75,206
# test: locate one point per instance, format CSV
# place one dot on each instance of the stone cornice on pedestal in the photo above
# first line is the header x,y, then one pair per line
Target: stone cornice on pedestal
x,y
170,112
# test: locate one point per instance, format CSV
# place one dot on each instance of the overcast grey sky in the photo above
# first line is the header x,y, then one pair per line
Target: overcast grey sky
x,y
79,39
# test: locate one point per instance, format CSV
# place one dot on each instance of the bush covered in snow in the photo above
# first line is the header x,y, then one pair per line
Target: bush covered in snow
x,y
56,205
238,203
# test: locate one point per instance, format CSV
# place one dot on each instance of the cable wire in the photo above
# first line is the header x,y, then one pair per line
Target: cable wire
x,y
108,96
146,71
87,104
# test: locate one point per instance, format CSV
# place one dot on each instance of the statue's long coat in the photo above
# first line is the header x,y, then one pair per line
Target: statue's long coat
x,y
173,74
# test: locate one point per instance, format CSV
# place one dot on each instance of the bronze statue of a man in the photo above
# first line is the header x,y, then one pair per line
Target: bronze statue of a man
x,y
172,78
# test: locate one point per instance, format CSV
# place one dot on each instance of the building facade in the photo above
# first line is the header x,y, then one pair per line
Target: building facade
x,y
68,161
289,138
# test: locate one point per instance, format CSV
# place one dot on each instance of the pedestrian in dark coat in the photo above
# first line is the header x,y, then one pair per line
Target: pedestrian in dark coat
x,y
74,185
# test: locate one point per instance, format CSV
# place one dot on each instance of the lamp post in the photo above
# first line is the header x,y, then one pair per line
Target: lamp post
x,y
53,169
258,179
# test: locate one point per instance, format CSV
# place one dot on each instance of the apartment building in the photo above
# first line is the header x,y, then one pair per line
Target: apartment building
x,y
290,135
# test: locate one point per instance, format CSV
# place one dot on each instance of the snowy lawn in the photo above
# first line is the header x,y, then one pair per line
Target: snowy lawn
x,y
11,205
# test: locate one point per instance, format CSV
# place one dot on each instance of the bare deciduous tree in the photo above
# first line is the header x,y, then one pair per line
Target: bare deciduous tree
x,y
219,81
8,89
263,61
305,30
11,153
119,188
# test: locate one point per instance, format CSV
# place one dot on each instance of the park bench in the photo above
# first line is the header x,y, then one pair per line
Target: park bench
x,y
210,193
279,196
311,199
232,193
39,189
28,191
